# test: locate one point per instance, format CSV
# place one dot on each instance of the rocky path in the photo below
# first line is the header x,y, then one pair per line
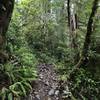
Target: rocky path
x,y
48,87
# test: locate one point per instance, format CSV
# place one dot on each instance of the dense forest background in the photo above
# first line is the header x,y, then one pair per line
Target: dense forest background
x,y
63,33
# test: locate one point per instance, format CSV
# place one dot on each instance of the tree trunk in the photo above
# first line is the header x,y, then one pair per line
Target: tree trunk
x,y
72,24
88,35
68,11
6,9
89,29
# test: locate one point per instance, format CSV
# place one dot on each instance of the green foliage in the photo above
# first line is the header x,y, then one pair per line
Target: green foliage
x,y
19,74
84,85
15,91
19,78
39,32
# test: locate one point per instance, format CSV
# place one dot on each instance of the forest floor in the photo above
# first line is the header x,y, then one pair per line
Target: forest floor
x,y
48,86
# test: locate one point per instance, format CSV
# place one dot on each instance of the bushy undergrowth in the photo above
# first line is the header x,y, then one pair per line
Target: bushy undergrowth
x,y
18,72
84,85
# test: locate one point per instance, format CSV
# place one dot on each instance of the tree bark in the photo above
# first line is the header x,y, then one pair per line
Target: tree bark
x,y
72,24
68,11
6,9
89,29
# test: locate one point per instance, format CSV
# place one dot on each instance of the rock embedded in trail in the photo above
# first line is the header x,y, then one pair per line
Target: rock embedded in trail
x,y
57,92
38,97
51,92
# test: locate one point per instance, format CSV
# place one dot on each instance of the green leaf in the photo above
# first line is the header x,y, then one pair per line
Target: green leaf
x,y
27,84
23,89
10,96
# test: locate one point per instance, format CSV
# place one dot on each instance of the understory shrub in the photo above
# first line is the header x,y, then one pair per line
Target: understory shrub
x,y
84,85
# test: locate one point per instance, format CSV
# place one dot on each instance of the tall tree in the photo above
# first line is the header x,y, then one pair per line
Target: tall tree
x,y
6,9
68,11
87,41
89,29
72,24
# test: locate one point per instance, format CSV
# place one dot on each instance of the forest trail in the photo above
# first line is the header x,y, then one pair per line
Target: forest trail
x,y
47,87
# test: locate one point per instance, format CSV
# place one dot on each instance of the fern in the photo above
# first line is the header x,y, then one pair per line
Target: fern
x,y
19,78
